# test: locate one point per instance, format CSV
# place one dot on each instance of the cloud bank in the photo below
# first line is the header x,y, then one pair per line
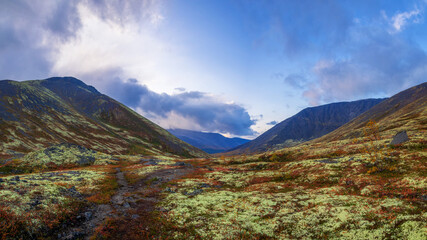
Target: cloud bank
x,y
188,109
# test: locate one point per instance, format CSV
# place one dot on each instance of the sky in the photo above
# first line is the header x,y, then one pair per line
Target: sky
x,y
234,67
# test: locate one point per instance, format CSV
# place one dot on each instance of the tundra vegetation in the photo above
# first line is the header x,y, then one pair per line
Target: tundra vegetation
x,y
360,188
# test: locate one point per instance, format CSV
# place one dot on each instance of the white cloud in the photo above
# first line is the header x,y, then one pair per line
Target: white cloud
x,y
400,20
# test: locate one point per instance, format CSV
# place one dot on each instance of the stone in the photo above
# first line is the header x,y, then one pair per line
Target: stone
x,y
182,164
88,215
399,138
204,185
168,189
135,216
151,162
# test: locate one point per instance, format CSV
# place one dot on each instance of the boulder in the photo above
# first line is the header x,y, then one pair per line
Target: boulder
x,y
399,138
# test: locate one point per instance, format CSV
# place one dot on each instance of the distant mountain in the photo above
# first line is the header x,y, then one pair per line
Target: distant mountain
x,y
39,113
406,110
208,142
310,123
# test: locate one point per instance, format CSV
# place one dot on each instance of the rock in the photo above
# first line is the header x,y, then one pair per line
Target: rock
x,y
204,185
88,215
135,216
126,205
399,138
72,192
86,160
168,189
1,180
328,161
16,178
151,161
182,164
35,203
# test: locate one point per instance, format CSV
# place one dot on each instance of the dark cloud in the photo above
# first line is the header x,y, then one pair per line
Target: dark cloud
x,y
379,63
272,123
180,89
202,110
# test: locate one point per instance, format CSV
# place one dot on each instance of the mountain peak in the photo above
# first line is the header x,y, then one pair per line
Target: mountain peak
x,y
67,82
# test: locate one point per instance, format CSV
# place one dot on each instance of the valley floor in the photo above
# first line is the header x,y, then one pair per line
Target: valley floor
x,y
317,191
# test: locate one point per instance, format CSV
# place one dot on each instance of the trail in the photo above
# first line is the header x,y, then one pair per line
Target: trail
x,y
127,200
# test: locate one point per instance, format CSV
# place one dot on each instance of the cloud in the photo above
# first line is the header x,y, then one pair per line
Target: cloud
x,y
188,109
272,123
378,63
33,32
299,27
180,89
399,20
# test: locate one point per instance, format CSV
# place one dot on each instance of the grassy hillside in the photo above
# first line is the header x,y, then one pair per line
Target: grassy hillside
x,y
36,114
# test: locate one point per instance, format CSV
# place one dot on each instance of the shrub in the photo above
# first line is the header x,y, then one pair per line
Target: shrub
x,y
381,158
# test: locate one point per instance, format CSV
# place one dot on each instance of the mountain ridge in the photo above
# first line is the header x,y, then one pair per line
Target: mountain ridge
x,y
208,142
402,109
308,124
38,113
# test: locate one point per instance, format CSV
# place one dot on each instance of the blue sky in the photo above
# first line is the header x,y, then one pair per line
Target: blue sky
x,y
233,67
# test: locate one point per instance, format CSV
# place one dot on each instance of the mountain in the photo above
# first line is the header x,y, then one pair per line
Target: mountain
x,y
406,110
38,113
208,142
310,123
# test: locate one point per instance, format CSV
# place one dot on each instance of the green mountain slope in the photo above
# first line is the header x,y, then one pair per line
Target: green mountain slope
x,y
39,113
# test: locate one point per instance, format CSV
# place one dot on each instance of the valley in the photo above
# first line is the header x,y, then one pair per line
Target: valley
x,y
359,181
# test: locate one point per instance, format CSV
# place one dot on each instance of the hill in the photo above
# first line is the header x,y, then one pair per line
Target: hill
x,y
40,113
308,124
208,142
406,110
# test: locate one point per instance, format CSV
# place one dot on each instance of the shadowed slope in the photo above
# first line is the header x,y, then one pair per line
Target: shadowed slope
x,y
308,124
208,142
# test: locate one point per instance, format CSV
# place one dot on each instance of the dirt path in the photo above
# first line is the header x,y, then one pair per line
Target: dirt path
x,y
125,203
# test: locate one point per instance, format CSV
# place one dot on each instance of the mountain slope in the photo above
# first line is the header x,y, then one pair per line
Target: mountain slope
x,y
36,114
406,110
208,142
308,124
